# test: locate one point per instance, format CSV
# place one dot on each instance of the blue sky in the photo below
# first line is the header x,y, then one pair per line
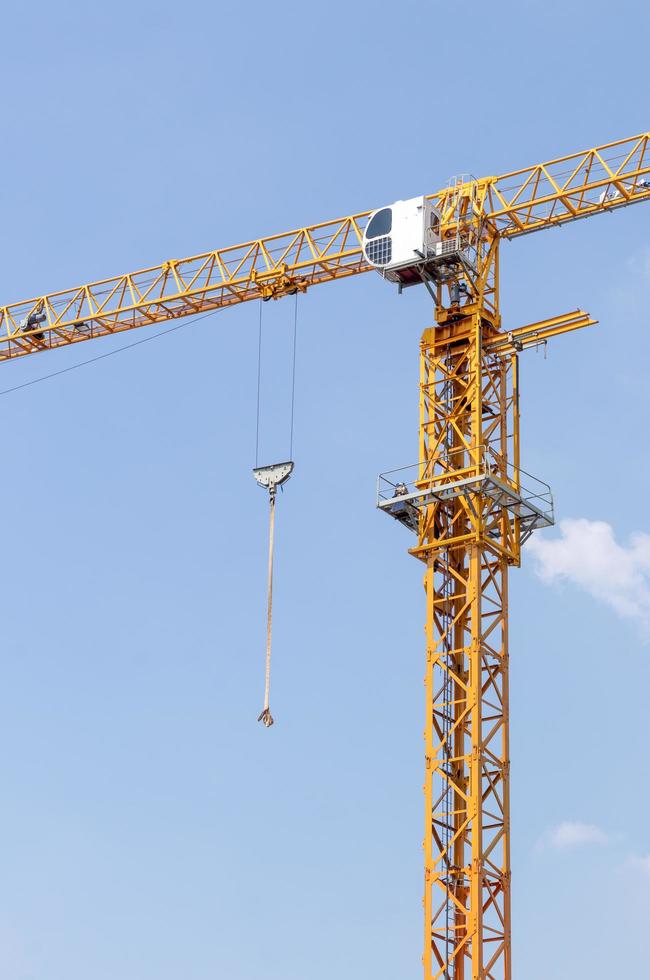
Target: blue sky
x,y
150,827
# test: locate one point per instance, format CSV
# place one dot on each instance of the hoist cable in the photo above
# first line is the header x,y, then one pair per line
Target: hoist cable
x,y
110,353
274,480
259,384
293,375
266,717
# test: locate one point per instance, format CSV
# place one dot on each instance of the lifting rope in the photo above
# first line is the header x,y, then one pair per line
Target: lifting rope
x,y
293,375
266,717
259,381
271,477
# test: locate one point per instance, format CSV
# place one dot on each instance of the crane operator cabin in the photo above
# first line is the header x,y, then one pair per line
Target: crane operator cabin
x,y
403,242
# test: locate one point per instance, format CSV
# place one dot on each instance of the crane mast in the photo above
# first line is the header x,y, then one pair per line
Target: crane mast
x,y
467,860
467,500
471,506
469,510
467,540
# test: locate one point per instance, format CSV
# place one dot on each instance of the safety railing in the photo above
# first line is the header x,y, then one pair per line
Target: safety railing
x,y
459,471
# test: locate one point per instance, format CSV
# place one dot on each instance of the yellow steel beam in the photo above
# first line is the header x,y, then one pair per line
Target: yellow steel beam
x,y
263,269
534,334
570,187
468,415
469,424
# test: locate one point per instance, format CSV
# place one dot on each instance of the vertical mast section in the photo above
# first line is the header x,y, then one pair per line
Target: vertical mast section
x,y
466,503
468,429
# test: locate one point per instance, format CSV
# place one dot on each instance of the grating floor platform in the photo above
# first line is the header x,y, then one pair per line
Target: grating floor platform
x,y
404,500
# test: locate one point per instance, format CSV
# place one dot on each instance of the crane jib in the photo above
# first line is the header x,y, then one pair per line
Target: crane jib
x,y
571,187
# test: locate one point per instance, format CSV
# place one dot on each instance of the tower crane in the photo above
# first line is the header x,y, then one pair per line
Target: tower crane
x,y
466,500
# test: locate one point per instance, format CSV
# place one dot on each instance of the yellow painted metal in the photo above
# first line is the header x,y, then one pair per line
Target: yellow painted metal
x,y
574,186
547,194
264,269
537,334
469,424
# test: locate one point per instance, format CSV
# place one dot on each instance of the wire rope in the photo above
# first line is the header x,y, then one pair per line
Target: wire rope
x,y
259,386
110,353
293,375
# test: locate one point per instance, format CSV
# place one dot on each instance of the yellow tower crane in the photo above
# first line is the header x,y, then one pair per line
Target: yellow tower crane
x,y
467,500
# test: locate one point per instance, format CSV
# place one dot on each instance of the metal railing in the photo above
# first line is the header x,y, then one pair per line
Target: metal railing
x,y
440,476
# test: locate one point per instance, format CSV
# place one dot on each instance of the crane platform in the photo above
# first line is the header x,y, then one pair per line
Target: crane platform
x,y
405,492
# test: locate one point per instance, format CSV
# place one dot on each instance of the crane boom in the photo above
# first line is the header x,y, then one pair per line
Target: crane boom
x,y
602,179
552,193
262,269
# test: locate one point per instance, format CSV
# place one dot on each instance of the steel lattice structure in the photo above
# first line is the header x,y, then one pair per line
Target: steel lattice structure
x,y
523,201
469,504
468,429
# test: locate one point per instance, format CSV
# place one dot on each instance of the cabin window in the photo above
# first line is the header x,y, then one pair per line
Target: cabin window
x,y
380,224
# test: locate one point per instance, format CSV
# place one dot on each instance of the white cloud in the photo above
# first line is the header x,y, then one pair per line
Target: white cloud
x,y
588,555
639,863
570,834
